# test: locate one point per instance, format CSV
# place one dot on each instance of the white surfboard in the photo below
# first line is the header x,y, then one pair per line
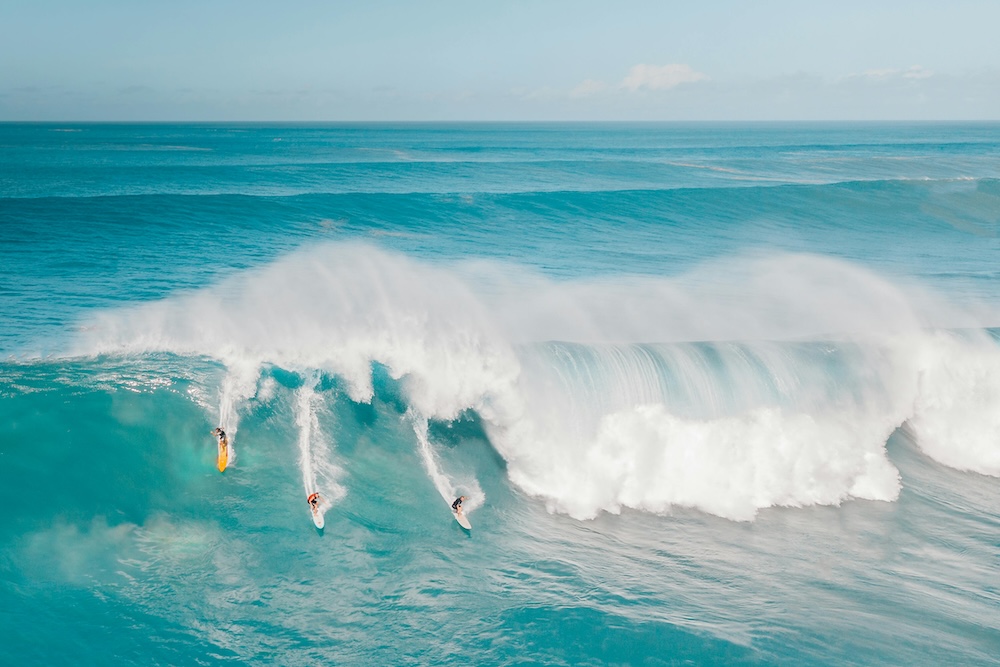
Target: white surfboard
x,y
318,510
462,520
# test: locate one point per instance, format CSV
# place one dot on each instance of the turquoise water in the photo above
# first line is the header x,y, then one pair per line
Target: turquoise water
x,y
717,394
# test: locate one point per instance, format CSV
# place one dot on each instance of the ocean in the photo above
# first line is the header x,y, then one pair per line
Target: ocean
x,y
716,394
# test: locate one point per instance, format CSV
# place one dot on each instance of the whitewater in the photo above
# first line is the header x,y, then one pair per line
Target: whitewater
x,y
715,394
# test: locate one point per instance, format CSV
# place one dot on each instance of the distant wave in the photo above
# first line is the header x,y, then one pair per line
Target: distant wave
x,y
456,177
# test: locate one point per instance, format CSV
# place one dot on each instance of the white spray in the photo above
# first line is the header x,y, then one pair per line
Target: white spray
x,y
448,487
238,385
319,473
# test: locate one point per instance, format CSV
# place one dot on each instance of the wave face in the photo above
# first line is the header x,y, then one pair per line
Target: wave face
x,y
712,394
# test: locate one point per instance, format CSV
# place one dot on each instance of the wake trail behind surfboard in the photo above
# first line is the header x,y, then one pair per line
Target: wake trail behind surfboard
x,y
446,486
238,385
318,472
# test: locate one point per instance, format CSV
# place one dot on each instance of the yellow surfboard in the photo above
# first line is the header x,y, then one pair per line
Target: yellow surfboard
x,y
223,454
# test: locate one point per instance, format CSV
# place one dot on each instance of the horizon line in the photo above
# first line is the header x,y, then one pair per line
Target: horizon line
x,y
498,122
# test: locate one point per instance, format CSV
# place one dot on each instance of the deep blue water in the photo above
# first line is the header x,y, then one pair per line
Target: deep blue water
x,y
716,393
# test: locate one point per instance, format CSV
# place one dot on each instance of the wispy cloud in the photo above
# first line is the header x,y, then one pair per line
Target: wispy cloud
x,y
544,93
892,74
588,88
641,78
660,77
917,72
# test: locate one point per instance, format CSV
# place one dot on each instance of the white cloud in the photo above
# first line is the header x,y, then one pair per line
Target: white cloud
x,y
878,74
588,87
917,72
660,77
891,73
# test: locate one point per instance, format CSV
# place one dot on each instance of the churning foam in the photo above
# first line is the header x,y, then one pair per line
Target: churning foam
x,y
616,422
956,414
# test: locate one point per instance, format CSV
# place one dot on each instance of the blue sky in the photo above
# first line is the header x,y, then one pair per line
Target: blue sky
x,y
542,60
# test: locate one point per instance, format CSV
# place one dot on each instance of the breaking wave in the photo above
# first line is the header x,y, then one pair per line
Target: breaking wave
x,y
750,383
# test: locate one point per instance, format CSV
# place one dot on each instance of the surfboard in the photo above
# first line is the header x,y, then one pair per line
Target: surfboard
x,y
223,455
462,520
317,510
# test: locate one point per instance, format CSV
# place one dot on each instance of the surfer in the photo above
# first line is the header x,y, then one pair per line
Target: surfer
x,y
456,506
317,516
223,459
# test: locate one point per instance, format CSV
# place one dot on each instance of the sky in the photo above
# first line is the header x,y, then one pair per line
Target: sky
x,y
373,60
